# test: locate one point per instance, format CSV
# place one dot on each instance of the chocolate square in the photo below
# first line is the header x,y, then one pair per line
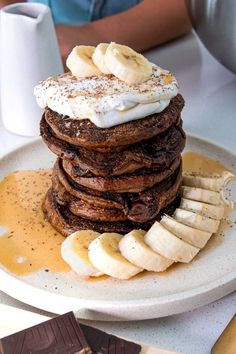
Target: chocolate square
x,y
104,343
60,335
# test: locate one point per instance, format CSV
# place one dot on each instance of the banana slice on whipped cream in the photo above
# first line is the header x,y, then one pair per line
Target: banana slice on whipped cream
x,y
99,58
126,64
80,62
121,61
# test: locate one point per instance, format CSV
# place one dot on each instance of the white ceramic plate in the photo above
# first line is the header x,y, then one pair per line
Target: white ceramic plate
x,y
209,277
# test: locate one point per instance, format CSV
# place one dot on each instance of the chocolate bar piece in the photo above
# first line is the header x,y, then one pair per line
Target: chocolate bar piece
x,y
60,335
104,343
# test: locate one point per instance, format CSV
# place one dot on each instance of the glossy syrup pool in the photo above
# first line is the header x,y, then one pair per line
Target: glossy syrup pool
x,y
27,241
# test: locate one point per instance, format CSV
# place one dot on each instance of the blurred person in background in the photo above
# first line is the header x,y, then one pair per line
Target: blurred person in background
x,y
140,24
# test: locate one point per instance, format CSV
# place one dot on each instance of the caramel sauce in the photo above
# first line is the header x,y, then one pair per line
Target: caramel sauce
x,y
100,277
30,243
194,163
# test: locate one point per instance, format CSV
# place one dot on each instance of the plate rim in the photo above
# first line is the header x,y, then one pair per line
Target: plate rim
x,y
226,283
116,303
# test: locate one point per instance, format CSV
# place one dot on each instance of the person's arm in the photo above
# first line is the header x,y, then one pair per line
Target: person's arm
x,y
144,26
8,2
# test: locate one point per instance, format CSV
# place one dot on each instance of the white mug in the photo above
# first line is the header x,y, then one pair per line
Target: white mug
x,y
29,53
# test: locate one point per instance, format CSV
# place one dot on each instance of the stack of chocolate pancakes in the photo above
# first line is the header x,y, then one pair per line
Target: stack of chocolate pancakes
x,y
113,179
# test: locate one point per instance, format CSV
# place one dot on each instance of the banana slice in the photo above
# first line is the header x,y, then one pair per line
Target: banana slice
x,y
126,64
133,248
211,211
99,58
80,62
211,183
196,221
105,255
193,236
168,245
201,195
74,251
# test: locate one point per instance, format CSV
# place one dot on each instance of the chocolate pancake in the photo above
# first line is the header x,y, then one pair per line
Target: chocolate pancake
x,y
89,211
84,133
134,182
66,223
91,196
156,153
139,207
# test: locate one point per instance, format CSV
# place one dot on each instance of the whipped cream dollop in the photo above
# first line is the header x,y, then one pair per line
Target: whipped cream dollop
x,y
105,100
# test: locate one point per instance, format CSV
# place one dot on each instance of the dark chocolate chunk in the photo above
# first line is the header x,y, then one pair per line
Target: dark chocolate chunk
x,y
60,335
104,343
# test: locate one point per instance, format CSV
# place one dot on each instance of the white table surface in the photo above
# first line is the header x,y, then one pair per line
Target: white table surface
x,y
210,112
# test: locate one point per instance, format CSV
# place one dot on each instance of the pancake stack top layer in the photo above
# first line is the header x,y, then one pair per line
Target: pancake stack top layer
x,y
118,144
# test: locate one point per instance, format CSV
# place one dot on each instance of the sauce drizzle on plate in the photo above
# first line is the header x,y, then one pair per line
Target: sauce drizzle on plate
x,y
29,243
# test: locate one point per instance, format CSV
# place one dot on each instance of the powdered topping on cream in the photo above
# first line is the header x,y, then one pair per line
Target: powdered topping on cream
x,y
106,100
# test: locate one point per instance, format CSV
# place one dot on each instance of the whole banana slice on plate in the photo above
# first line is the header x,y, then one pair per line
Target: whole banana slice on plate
x,y
74,251
168,245
105,255
201,195
210,183
196,221
133,248
99,58
195,237
80,62
126,64
211,211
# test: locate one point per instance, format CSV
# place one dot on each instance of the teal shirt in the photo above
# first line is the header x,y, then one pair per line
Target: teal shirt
x,y
78,12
